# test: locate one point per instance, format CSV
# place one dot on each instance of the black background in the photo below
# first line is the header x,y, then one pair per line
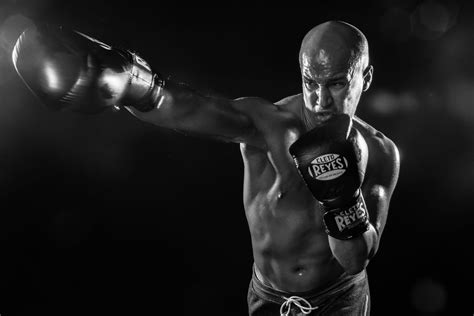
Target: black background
x,y
108,215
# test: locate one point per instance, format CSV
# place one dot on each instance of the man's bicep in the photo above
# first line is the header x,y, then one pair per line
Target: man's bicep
x,y
379,188
227,120
217,118
377,200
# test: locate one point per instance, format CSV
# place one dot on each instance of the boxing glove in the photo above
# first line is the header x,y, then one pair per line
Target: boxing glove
x,y
332,159
66,69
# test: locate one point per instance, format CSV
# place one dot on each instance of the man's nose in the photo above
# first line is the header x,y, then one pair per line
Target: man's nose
x,y
324,97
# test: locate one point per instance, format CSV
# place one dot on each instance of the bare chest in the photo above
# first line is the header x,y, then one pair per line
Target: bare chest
x,y
282,214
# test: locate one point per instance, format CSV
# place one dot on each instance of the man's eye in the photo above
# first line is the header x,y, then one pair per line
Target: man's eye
x,y
338,84
309,83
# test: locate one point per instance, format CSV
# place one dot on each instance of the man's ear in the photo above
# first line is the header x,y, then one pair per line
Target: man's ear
x,y
368,73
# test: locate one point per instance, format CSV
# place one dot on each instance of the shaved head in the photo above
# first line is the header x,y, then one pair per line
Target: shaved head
x,y
335,70
336,43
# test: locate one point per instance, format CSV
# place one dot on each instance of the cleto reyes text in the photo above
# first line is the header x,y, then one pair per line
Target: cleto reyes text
x,y
327,167
351,217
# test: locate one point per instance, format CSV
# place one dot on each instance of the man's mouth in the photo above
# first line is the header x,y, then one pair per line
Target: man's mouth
x,y
323,116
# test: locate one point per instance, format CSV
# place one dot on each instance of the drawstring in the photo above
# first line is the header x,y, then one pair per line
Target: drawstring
x,y
297,301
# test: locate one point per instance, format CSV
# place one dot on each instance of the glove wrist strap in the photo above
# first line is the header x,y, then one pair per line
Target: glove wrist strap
x,y
347,222
148,85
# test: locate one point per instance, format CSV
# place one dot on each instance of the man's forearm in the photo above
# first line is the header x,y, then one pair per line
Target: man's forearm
x,y
354,254
182,108
175,104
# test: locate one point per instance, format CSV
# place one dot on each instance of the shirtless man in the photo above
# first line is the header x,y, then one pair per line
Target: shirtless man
x,y
303,264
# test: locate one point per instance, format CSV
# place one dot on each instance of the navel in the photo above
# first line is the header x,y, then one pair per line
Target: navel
x,y
300,271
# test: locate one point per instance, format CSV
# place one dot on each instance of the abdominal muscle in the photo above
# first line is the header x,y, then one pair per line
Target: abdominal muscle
x,y
290,247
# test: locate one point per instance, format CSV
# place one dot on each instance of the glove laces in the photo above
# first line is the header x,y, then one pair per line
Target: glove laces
x,y
300,302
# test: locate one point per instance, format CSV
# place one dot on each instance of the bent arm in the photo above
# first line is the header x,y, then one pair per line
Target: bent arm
x,y
183,109
354,254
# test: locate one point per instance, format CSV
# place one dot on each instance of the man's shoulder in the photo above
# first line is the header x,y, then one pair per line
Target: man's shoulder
x,y
258,105
270,116
384,157
290,101
383,144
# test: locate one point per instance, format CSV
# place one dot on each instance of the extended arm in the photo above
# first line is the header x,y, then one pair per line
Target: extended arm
x,y
183,109
69,70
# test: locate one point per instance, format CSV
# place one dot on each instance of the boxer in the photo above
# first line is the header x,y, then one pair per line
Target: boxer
x,y
317,179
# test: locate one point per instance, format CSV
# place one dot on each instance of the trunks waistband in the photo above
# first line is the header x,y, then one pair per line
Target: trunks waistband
x,y
316,297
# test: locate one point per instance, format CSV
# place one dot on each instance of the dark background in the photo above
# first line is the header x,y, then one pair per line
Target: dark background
x,y
109,215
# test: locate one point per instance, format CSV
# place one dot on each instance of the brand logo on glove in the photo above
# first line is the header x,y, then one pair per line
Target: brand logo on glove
x,y
351,217
327,167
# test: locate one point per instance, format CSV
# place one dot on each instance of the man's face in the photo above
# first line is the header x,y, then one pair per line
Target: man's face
x,y
331,84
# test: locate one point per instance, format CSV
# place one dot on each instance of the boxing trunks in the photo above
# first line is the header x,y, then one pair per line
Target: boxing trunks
x,y
348,295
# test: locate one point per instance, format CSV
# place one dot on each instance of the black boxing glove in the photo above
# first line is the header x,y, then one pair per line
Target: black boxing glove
x,y
332,159
69,70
